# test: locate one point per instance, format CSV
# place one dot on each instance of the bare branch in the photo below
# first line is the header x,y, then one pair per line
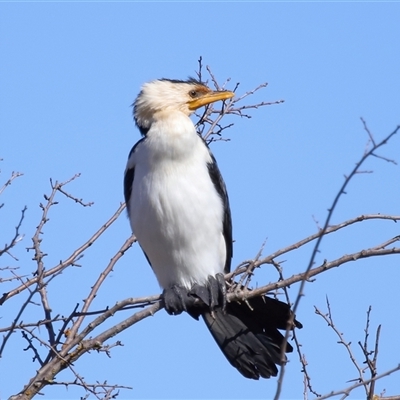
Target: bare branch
x,y
13,176
66,357
372,252
17,236
346,392
199,71
95,288
339,194
59,187
212,117
269,259
328,318
70,261
371,138
319,240
14,323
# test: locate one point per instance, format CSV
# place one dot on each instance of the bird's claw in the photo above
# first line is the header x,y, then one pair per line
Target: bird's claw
x,y
213,294
222,290
176,300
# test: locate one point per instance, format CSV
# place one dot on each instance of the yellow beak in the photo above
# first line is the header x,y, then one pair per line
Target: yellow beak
x,y
208,98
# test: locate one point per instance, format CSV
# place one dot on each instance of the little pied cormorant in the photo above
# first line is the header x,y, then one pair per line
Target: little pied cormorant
x,y
179,211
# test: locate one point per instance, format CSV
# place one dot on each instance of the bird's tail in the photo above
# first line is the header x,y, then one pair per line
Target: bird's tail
x,y
248,335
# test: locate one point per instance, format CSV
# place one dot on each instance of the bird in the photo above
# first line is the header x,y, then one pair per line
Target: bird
x,y
178,208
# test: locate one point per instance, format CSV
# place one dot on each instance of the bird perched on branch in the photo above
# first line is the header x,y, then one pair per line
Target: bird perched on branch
x,y
179,211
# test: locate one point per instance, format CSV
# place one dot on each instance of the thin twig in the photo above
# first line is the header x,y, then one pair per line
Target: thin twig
x,y
328,318
95,288
14,175
15,322
69,261
318,242
59,187
17,236
334,228
346,391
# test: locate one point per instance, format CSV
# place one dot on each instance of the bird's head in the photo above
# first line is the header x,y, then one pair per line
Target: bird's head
x,y
174,95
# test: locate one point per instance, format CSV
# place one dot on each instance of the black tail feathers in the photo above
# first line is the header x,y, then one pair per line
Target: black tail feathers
x,y
248,334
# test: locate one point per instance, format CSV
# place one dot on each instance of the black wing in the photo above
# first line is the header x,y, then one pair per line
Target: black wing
x,y
128,182
129,176
219,184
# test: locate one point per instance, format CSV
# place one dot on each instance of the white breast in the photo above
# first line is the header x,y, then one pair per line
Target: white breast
x,y
176,213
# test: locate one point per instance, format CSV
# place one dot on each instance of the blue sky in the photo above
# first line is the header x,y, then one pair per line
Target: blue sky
x,y
68,75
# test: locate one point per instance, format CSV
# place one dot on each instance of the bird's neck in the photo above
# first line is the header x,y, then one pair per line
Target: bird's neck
x,y
172,135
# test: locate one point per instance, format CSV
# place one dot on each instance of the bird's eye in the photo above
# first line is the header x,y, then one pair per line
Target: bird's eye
x,y
193,93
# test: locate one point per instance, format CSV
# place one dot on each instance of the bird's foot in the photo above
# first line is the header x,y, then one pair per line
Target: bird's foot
x,y
213,293
176,300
